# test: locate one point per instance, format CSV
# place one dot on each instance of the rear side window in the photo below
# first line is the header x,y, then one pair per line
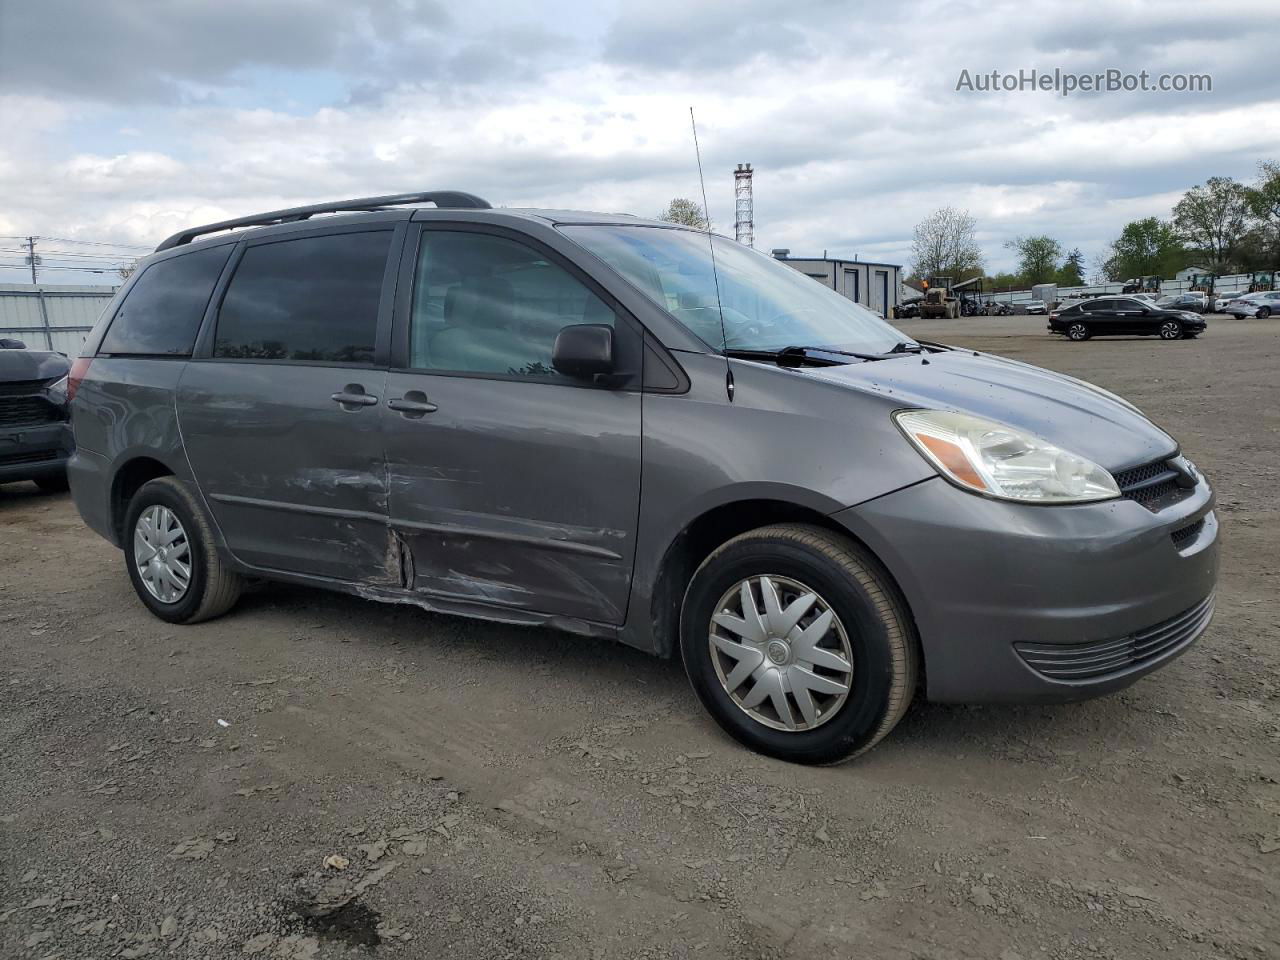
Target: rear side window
x,y
312,299
161,314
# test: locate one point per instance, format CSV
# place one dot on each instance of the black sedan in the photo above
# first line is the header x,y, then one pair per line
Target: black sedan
x,y
1124,317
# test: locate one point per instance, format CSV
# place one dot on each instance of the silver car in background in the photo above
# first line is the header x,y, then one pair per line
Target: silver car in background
x,y
1261,305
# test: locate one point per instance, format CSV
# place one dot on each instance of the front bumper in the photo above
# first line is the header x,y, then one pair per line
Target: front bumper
x,y
1022,603
31,453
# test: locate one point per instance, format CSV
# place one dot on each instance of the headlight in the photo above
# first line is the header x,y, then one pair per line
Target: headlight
x,y
998,460
57,391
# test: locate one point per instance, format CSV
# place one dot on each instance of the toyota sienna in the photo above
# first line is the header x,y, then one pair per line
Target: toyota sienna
x,y
637,431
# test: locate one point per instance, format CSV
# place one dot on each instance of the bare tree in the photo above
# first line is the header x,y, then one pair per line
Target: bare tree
x,y
945,244
1213,218
684,210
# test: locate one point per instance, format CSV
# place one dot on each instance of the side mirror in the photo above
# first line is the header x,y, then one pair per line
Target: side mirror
x,y
584,351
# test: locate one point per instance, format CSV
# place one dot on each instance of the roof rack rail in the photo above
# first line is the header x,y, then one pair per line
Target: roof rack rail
x,y
441,198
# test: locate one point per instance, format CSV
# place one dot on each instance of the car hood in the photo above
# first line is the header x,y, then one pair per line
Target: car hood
x,y
1071,413
17,365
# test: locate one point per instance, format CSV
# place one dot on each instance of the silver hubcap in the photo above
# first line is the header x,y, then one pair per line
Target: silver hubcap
x,y
1169,331
781,653
1077,332
162,554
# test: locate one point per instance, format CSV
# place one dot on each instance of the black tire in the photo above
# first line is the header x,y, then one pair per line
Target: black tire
x,y
56,484
879,628
1171,330
213,588
1263,313
1078,331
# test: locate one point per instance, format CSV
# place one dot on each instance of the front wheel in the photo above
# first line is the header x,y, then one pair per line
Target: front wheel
x,y
1078,331
798,644
1171,330
1263,313
171,556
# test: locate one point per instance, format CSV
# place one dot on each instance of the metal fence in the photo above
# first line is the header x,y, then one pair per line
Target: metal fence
x,y
1237,283
51,316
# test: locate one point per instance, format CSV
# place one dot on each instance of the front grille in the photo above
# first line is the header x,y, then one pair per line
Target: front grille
x,y
1100,659
20,388
1186,534
17,459
27,412
1154,485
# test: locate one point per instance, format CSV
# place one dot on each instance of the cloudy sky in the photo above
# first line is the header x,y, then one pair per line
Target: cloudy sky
x,y
126,121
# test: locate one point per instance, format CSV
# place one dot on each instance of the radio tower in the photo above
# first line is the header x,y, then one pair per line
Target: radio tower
x,y
744,227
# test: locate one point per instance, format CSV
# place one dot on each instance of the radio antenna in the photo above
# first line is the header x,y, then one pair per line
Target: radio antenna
x,y
715,274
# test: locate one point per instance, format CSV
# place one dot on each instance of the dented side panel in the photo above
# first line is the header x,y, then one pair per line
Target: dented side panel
x,y
517,495
295,481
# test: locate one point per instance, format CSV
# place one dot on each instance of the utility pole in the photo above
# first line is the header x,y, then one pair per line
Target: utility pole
x,y
31,257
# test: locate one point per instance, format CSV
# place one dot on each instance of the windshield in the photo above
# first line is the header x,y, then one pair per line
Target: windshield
x,y
767,305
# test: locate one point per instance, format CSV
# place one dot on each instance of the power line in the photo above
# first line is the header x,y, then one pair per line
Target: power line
x,y
71,254
24,267
98,243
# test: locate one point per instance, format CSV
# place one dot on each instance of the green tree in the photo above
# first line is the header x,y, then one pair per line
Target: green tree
x,y
945,244
1213,219
685,211
1264,205
1071,273
1004,281
1147,247
1037,257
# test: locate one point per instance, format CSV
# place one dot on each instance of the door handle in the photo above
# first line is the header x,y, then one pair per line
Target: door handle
x,y
413,404
352,396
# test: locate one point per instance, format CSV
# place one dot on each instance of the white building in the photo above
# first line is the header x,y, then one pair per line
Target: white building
x,y
877,286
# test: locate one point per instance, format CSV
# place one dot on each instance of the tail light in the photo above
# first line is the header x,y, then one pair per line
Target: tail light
x,y
79,370
1053,315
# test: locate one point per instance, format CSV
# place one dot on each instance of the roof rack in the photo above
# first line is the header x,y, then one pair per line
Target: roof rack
x,y
441,198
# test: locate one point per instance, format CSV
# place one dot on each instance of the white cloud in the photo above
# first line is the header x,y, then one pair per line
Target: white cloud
x,y
849,114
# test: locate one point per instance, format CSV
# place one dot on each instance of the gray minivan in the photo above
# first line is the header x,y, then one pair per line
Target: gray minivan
x,y
632,430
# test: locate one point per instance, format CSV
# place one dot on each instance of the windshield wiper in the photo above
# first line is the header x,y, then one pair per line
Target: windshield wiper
x,y
795,356
907,346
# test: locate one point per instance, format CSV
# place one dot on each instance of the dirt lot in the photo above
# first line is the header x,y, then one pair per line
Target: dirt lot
x,y
502,792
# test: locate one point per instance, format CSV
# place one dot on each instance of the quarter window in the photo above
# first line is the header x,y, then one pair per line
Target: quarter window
x,y
310,299
489,305
161,314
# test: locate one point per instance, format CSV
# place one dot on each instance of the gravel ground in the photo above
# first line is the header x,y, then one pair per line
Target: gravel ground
x,y
318,776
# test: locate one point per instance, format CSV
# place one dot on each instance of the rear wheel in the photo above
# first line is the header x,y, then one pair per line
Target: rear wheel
x,y
1078,331
1263,313
1171,330
798,644
171,555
